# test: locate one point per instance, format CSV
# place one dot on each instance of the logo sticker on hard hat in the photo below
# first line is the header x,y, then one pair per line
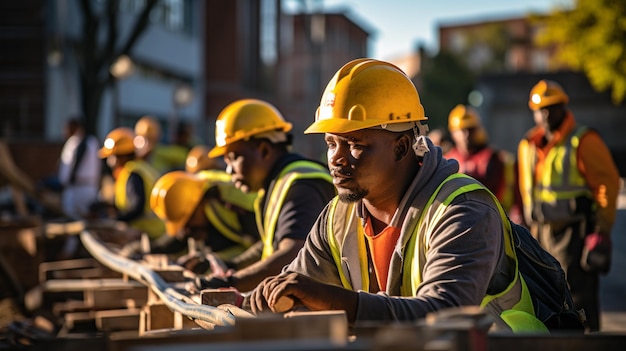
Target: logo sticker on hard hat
x,y
329,100
220,133
326,110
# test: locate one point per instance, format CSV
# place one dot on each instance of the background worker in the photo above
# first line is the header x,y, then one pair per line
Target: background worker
x,y
219,217
134,179
253,138
494,168
569,185
79,170
79,175
366,253
198,160
163,157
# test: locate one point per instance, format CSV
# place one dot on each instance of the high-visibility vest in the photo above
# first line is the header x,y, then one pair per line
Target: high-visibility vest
x,y
513,305
223,218
148,222
561,181
507,198
266,223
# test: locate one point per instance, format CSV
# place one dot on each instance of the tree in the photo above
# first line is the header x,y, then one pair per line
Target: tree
x,y
99,47
446,82
590,37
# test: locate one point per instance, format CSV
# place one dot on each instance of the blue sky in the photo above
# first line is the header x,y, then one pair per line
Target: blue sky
x,y
398,25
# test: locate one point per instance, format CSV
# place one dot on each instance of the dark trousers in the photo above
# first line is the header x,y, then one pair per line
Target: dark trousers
x,y
565,242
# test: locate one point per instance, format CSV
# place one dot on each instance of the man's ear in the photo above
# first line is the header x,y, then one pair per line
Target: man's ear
x,y
403,146
264,149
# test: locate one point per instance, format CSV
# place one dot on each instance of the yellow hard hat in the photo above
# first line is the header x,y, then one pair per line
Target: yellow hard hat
x,y
148,127
244,119
174,198
463,117
148,133
198,159
546,93
365,93
118,142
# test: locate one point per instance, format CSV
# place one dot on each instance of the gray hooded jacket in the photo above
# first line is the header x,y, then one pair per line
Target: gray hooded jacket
x,y
465,259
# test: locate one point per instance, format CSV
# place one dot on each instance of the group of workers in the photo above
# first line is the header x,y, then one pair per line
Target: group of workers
x,y
387,230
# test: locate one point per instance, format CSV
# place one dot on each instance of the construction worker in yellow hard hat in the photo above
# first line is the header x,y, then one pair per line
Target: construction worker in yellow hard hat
x,y
252,137
150,147
195,207
569,184
397,243
494,168
134,179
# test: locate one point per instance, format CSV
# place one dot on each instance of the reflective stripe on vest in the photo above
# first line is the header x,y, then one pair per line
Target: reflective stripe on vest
x,y
149,222
266,224
508,198
225,220
515,298
561,178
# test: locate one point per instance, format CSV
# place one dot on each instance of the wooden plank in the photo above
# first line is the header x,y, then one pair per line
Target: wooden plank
x,y
117,320
114,298
61,285
557,342
216,297
325,325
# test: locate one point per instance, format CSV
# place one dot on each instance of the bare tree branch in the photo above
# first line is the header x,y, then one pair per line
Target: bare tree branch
x,y
140,26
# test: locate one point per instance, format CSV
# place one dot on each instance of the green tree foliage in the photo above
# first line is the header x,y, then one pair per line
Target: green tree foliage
x,y
590,37
485,48
446,82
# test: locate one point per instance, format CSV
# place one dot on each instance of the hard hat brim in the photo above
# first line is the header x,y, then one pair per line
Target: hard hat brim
x,y
173,227
217,151
337,126
104,152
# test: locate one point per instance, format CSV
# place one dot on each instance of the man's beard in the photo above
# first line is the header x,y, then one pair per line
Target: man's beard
x,y
353,196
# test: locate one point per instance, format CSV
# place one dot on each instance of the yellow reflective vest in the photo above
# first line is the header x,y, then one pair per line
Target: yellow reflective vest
x,y
266,222
548,198
148,222
223,218
513,306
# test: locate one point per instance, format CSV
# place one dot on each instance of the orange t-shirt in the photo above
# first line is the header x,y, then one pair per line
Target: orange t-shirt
x,y
381,249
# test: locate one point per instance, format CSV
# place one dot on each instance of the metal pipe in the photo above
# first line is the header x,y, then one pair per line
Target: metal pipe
x,y
173,299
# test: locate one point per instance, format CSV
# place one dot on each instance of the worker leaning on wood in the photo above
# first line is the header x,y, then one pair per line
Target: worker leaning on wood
x,y
407,235
253,138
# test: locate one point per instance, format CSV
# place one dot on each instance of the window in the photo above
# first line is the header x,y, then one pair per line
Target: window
x,y
269,32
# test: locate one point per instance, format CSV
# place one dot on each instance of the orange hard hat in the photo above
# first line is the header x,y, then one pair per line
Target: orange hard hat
x,y
120,141
546,93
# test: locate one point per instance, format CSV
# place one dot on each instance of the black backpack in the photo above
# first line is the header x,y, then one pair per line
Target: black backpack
x,y
546,283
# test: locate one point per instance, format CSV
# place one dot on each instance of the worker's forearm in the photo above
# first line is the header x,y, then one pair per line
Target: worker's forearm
x,y
249,277
246,258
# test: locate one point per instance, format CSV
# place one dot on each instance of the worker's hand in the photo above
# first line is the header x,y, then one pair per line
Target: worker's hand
x,y
194,262
596,255
304,291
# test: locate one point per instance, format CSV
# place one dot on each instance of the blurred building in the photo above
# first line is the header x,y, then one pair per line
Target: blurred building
x,y
504,45
313,46
192,59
